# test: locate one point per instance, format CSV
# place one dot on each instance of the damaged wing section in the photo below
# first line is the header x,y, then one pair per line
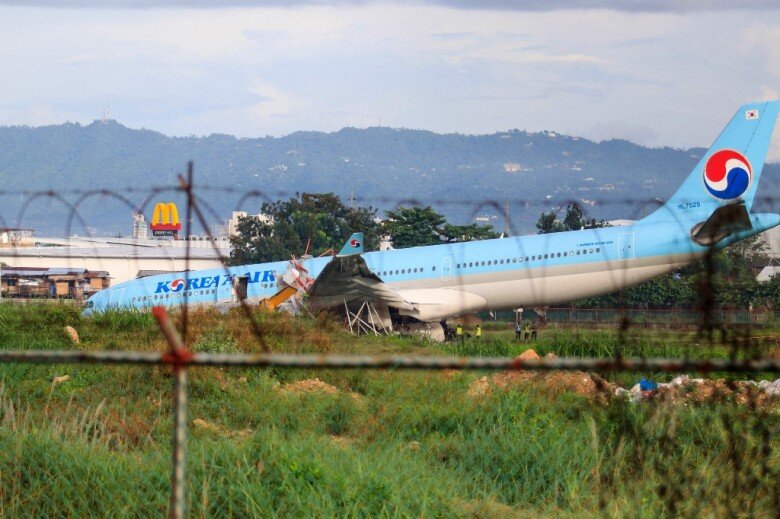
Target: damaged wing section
x,y
346,279
722,223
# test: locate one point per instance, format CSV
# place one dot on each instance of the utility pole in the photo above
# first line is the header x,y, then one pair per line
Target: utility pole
x,y
352,199
506,216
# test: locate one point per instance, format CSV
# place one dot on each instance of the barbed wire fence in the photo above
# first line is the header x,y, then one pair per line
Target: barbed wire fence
x,y
746,356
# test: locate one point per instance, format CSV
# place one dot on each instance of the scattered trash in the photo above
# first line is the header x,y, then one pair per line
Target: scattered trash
x,y
647,385
60,380
683,389
680,389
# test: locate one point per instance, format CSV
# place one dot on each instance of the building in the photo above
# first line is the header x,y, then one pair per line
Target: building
x,y
121,262
10,237
74,283
140,230
232,227
772,240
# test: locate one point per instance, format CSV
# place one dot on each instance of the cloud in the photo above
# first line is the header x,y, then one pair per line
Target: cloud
x,y
659,78
680,6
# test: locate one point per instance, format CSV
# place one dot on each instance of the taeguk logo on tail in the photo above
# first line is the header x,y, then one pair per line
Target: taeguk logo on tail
x,y
727,174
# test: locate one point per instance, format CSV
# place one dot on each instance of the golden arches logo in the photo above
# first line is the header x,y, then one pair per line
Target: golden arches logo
x,y
165,217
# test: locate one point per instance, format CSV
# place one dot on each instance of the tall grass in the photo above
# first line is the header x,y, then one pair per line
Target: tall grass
x,y
380,444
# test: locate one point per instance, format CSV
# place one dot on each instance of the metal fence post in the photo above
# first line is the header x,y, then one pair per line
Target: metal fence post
x,y
178,356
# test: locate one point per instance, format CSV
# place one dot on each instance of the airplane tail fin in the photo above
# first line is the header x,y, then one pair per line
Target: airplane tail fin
x,y
354,245
730,170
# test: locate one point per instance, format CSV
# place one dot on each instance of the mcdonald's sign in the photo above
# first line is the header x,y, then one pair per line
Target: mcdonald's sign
x,y
165,220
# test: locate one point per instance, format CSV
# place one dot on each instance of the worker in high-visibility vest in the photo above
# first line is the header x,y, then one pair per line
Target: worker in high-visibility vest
x,y
478,332
459,332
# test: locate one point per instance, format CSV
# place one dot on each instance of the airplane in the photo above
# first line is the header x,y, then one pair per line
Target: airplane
x,y
419,287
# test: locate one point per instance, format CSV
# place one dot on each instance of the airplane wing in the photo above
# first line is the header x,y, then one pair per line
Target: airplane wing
x,y
347,278
723,222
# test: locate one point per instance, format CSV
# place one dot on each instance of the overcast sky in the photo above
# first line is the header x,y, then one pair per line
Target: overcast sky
x,y
671,74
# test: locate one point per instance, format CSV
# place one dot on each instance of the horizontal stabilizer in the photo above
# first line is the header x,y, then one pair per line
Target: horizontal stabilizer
x,y
722,223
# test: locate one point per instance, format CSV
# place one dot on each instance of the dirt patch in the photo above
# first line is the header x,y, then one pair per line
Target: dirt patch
x,y
72,334
480,387
315,385
717,390
309,385
342,442
528,354
557,382
586,384
218,429
449,374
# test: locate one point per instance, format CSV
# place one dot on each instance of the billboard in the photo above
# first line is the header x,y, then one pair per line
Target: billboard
x,y
165,220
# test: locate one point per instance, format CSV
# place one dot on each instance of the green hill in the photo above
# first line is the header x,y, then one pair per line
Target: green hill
x,y
461,175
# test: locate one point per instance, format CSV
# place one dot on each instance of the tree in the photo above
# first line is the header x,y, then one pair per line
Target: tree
x,y
573,221
418,226
458,233
318,219
730,282
548,223
413,226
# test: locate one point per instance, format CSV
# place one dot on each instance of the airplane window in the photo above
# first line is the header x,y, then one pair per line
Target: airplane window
x,y
584,251
598,250
591,251
396,272
565,254
433,268
421,269
545,256
514,260
501,262
559,254
457,266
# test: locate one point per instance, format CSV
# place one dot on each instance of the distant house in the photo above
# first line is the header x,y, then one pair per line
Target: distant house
x,y
767,272
73,283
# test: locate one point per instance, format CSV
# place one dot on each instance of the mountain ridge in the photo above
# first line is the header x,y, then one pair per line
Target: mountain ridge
x,y
467,174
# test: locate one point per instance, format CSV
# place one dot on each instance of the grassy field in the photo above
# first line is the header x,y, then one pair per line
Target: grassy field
x,y
359,443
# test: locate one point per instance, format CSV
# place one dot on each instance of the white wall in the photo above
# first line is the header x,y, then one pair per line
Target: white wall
x,y
120,269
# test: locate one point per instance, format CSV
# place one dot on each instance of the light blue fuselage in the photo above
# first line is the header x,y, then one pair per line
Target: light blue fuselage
x,y
446,280
523,271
